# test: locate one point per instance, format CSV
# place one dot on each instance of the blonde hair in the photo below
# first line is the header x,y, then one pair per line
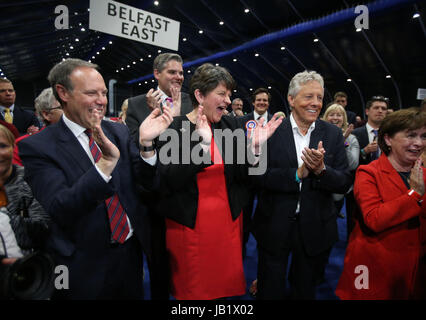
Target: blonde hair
x,y
335,107
8,134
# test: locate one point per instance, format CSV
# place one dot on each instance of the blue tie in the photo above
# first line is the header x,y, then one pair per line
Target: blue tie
x,y
375,155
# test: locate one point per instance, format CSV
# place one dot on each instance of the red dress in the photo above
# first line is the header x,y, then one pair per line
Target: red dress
x,y
206,262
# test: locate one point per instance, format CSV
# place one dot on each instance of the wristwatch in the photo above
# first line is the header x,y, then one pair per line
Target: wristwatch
x,y
147,148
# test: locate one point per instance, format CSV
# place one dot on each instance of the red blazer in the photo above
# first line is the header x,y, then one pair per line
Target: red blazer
x,y
387,238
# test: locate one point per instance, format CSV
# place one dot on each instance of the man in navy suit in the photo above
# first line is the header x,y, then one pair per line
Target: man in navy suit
x,y
306,164
24,121
73,173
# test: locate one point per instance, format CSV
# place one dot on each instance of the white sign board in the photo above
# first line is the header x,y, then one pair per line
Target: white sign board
x,y
421,94
132,23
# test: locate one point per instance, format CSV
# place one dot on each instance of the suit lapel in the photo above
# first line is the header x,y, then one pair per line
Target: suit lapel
x,y
391,173
286,140
317,135
71,147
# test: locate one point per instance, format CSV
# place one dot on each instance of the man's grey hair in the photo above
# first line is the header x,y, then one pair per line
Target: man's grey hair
x,y
236,99
60,73
302,78
162,59
44,101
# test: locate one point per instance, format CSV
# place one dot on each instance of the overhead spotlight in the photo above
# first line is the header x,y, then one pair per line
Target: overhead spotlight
x,y
93,57
256,54
189,71
388,76
82,29
159,51
141,59
251,89
316,40
152,80
77,40
140,84
282,48
146,82
149,56
217,64
235,60
117,71
269,87
110,42
128,66
97,52
416,15
358,29
246,10
156,3
134,62
184,39
103,48
221,23
71,47
200,31
235,90
122,68
349,80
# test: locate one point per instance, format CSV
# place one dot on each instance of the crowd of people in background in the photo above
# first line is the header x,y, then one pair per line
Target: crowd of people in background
x,y
96,194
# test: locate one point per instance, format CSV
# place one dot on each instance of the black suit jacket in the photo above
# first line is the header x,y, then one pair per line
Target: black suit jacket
x,y
351,117
138,110
72,192
280,192
22,119
179,191
362,135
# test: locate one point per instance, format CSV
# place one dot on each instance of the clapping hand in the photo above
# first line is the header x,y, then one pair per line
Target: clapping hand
x,y
154,125
416,178
262,133
202,126
176,97
153,98
314,158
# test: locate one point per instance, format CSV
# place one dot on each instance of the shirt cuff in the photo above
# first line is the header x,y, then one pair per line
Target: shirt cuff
x,y
151,160
103,175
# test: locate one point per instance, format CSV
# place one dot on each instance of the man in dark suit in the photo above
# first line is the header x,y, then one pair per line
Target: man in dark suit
x,y
168,71
24,121
86,181
261,99
376,110
295,214
342,99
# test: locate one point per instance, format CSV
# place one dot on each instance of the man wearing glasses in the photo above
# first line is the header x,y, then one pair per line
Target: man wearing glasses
x,y
48,109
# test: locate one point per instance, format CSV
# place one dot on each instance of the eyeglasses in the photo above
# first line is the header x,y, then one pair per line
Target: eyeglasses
x,y
382,98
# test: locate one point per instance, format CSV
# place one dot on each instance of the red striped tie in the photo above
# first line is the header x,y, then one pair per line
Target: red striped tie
x,y
116,214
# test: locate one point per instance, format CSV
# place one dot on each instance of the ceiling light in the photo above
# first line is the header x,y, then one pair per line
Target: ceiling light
x,y
269,87
116,71
358,29
149,56
235,90
200,32
246,10
71,47
146,82
235,60
134,62
141,59
221,23
184,39
97,52
140,84
189,71
93,57
256,54
217,64
122,69
82,29
316,40
103,48
76,40
251,89
388,76
156,3
349,80
416,15
128,66
159,51
282,48
152,80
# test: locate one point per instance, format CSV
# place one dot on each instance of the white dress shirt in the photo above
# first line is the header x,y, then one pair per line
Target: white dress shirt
x,y
264,116
301,142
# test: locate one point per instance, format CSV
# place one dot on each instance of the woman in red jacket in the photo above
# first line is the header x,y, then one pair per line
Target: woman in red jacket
x,y
385,258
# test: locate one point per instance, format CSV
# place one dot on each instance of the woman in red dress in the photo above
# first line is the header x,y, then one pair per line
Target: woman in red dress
x,y
204,189
385,257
